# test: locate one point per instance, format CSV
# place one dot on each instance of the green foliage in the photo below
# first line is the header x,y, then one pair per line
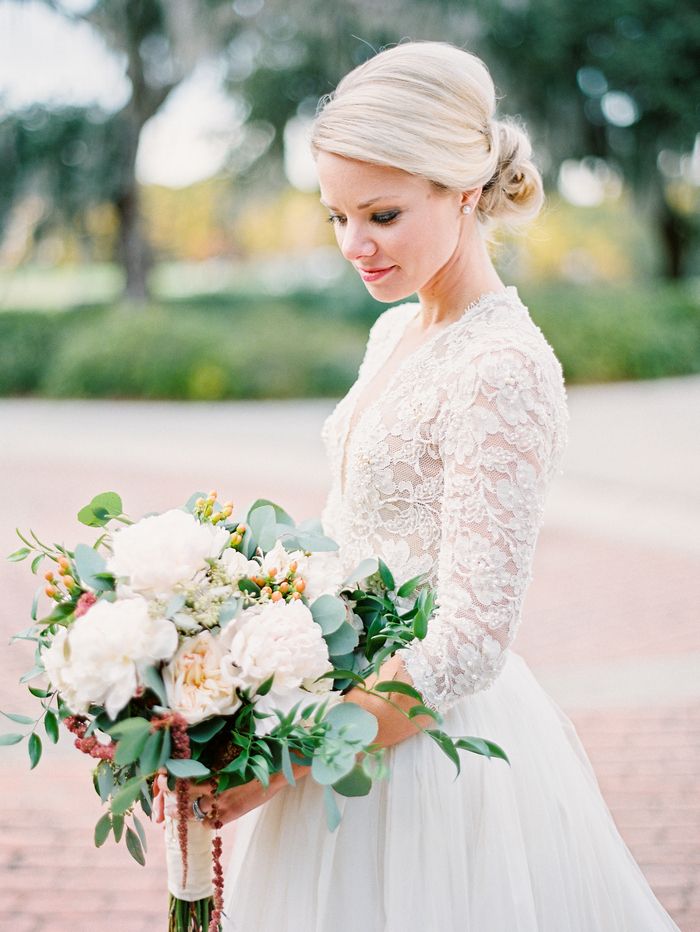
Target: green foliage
x,y
606,335
233,347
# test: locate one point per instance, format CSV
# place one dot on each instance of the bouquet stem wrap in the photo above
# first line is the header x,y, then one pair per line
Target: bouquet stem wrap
x,y
200,865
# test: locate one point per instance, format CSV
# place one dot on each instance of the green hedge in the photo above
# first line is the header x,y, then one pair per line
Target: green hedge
x,y
311,343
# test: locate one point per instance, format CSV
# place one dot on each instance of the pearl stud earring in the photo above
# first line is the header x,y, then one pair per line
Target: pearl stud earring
x,y
466,209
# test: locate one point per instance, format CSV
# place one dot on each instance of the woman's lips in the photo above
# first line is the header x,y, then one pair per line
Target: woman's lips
x,y
373,275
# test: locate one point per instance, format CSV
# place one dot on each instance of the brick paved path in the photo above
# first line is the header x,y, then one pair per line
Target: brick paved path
x,y
598,598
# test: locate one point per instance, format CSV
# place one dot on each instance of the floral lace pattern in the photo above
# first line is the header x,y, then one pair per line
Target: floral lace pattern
x,y
445,471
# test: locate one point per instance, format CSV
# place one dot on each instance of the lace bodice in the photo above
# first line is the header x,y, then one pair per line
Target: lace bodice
x,y
444,471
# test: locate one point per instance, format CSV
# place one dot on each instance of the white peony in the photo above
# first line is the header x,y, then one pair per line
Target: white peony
x,y
324,574
100,659
281,640
196,685
157,553
237,565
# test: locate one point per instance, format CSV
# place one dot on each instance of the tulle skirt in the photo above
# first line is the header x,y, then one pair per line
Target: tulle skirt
x,y
529,847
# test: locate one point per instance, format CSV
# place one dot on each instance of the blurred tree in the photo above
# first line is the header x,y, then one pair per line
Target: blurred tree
x,y
77,157
619,80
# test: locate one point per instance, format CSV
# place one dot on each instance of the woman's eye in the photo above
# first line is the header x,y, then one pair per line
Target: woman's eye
x,y
387,217
336,219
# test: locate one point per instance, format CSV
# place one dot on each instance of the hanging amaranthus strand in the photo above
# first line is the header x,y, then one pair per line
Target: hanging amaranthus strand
x,y
215,922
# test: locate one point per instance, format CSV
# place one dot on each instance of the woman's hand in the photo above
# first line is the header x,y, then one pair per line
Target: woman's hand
x,y
231,804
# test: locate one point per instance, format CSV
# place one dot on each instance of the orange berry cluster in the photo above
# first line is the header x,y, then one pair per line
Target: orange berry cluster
x,y
52,588
289,589
205,508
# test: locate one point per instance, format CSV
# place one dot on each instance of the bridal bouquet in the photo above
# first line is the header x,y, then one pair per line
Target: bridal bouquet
x,y
212,648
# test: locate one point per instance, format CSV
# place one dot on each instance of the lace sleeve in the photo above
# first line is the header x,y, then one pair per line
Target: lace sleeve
x,y
496,438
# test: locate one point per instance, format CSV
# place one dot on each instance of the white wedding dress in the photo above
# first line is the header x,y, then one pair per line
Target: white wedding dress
x,y
442,468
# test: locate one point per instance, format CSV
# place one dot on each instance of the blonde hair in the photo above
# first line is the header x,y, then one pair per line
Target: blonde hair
x,y
427,108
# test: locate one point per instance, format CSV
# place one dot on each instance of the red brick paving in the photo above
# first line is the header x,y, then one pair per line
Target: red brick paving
x,y
591,601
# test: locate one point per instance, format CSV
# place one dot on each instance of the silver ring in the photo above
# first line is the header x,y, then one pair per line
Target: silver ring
x,y
199,816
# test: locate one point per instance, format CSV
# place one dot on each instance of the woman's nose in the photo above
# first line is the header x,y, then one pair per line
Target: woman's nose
x,y
356,243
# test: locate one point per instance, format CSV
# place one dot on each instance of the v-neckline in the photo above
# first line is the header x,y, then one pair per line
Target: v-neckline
x,y
354,422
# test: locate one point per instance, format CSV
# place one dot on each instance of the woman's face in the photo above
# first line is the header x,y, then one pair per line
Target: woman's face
x,y
399,231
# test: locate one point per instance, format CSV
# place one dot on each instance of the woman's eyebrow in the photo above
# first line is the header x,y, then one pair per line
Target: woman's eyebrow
x,y
366,204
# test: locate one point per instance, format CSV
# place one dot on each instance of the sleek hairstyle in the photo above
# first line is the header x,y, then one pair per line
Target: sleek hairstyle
x,y
427,108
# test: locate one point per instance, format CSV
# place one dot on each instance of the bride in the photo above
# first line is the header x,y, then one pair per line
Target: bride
x,y
442,454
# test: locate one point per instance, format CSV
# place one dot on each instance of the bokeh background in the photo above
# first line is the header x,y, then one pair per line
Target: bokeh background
x,y
160,230
175,315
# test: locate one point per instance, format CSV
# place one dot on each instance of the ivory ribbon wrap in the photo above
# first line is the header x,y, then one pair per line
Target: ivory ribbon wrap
x,y
200,864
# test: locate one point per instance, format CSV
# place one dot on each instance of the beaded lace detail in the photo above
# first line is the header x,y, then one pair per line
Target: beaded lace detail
x,y
445,471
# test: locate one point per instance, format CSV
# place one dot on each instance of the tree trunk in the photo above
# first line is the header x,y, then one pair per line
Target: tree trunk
x,y
677,235
135,252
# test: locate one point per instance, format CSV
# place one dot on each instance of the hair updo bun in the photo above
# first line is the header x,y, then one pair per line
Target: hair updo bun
x,y
427,108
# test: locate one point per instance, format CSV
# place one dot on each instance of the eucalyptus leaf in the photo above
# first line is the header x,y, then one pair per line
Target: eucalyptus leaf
x,y
102,830
287,765
353,722
153,680
187,769
329,612
342,641
117,826
329,768
333,816
281,516
206,730
91,567
141,833
262,522
37,561
356,783
19,555
367,568
101,509
131,746
134,847
105,781
174,605
230,609
125,798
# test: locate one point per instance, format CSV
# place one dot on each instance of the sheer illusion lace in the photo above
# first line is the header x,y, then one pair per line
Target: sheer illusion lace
x,y
444,471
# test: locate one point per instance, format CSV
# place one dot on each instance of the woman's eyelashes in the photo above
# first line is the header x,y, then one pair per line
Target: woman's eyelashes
x,y
383,218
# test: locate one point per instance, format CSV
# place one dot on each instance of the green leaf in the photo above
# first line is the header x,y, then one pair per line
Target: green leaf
x,y
37,561
126,797
149,760
281,516
262,523
342,641
128,726
132,744
386,575
356,783
19,719
154,681
481,746
187,769
230,609
35,671
265,687
397,686
19,555
105,781
420,625
247,585
367,568
446,744
35,603
287,765
206,730
39,693
409,586
421,709
134,847
102,830
103,507
34,750
329,612
11,738
51,726
141,833
353,722
118,826
333,816
91,567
